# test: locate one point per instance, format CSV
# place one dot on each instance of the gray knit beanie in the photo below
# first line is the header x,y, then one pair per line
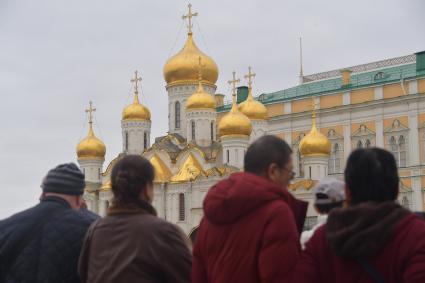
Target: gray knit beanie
x,y
64,179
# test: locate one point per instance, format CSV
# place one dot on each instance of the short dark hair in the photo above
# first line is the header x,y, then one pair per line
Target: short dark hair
x,y
265,151
129,177
371,175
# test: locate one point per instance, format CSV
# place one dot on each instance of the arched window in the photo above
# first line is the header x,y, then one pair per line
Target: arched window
x,y
193,130
212,131
359,144
379,76
145,140
367,144
126,141
299,163
182,208
402,151
177,114
334,160
99,173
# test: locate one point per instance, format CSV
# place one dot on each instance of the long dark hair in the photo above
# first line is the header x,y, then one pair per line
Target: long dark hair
x,y
129,177
371,175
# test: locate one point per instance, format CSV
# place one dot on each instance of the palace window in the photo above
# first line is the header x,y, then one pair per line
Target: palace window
x,y
177,114
182,208
335,160
193,130
379,76
398,149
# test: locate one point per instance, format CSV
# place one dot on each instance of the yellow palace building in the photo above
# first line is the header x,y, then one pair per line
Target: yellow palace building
x,y
323,118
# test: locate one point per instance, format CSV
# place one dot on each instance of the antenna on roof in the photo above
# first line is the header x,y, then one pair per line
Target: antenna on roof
x,y
301,62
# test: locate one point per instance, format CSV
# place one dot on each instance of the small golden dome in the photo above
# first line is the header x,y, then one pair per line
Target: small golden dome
x,y
136,111
234,123
182,67
252,108
91,147
315,143
200,99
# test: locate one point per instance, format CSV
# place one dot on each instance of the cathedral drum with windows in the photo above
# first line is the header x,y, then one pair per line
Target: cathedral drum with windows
x,y
323,118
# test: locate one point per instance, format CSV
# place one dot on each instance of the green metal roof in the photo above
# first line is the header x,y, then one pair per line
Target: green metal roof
x,y
334,85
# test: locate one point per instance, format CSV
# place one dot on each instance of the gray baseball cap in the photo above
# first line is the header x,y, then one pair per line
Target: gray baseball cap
x,y
329,190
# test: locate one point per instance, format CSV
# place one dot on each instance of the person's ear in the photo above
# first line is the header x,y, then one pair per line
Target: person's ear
x,y
273,171
347,196
78,201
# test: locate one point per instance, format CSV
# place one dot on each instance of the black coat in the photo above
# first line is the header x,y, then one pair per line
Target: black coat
x,y
51,254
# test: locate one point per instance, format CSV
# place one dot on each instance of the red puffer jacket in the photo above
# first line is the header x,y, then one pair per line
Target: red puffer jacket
x,y
249,232
389,238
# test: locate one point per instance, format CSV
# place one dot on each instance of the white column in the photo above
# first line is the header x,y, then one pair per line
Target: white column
x,y
379,126
346,98
413,149
347,141
417,191
379,92
413,87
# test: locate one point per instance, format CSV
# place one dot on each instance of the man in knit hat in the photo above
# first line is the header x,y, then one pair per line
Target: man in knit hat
x,y
42,243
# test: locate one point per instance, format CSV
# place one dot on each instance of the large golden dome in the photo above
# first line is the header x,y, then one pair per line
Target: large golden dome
x,y
136,111
200,99
182,67
91,147
234,123
252,108
315,143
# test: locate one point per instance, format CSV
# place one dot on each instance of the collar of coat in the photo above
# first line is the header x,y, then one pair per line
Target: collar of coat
x,y
133,208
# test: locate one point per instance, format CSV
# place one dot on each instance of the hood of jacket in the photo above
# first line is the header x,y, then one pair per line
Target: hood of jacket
x,y
241,193
364,229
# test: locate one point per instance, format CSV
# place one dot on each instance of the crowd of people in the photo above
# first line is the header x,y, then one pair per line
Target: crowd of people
x,y
251,230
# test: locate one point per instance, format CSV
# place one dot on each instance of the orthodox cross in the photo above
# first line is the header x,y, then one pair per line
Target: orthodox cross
x,y
90,111
249,76
189,17
233,83
136,81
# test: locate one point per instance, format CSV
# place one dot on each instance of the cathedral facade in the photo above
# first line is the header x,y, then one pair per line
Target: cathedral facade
x,y
323,118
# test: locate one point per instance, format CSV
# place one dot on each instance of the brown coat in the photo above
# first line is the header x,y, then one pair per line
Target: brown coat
x,y
131,245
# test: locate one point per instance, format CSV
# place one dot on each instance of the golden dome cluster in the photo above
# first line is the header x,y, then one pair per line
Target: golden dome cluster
x,y
91,147
315,143
182,67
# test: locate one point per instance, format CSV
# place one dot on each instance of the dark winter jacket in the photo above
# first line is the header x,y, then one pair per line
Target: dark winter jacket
x,y
249,232
51,255
134,245
387,237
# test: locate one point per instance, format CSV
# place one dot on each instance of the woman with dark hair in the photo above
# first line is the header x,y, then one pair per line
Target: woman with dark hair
x,y
131,244
373,239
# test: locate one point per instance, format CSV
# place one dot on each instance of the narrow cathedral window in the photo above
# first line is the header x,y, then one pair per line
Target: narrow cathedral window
x,y
228,156
126,140
334,161
193,131
98,176
367,144
145,141
359,144
212,131
177,114
182,209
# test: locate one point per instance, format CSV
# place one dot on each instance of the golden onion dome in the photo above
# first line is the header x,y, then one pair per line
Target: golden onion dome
x,y
136,110
315,143
234,123
91,147
252,108
182,67
200,99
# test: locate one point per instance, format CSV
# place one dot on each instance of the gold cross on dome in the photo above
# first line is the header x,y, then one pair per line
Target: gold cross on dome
x,y
250,76
189,17
233,83
90,111
136,81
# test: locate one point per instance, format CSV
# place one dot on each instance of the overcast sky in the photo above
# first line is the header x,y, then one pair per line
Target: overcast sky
x,y
56,56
